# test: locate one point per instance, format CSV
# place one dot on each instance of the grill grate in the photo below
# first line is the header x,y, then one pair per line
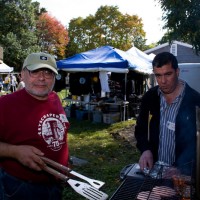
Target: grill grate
x,y
128,189
131,187
162,188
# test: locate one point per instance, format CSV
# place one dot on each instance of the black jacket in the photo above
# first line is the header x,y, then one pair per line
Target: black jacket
x,y
185,127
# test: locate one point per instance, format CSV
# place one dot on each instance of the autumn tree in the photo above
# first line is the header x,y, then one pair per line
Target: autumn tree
x,y
107,27
52,35
182,20
17,23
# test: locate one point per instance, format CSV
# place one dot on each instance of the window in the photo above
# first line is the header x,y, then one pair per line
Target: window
x,y
173,49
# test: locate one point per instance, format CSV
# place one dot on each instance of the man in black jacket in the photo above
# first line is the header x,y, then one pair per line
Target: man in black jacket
x,y
166,127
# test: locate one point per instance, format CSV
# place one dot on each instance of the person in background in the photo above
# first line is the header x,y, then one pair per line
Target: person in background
x,y
1,84
166,127
7,82
33,124
21,84
13,83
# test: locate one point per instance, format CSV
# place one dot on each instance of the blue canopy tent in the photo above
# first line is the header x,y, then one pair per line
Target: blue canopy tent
x,y
102,59
109,59
105,58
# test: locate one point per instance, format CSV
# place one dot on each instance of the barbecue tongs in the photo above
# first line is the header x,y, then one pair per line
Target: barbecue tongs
x,y
91,191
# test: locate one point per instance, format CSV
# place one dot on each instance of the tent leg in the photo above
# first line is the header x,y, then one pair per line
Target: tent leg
x,y
124,103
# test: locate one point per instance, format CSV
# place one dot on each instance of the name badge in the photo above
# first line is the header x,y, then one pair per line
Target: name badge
x,y
171,126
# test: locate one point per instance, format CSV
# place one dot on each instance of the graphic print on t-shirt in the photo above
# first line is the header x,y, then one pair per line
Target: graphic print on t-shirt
x,y
52,128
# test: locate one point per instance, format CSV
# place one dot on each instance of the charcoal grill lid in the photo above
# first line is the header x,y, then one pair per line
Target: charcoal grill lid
x,y
132,170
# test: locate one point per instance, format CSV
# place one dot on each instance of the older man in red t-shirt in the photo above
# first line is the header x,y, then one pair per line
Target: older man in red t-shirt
x,y
32,124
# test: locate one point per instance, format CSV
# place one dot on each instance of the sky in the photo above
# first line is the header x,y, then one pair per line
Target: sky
x,y
148,10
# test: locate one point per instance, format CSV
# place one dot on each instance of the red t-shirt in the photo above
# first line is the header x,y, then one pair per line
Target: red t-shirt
x,y
25,120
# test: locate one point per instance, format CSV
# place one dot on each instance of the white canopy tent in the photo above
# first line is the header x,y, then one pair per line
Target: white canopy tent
x,y
5,68
140,61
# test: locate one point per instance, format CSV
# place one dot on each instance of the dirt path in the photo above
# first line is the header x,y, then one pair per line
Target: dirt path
x,y
126,134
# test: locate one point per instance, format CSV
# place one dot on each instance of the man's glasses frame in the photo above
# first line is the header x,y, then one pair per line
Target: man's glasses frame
x,y
47,73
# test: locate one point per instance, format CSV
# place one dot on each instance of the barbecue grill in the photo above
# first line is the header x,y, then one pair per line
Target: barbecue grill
x,y
135,182
138,185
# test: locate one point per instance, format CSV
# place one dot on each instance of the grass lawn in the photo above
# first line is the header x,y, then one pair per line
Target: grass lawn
x,y
106,155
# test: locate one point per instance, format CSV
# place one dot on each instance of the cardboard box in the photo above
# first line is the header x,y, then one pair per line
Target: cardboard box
x,y
97,116
110,118
81,114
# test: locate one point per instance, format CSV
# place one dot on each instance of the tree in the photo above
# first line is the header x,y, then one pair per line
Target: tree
x,y
182,20
107,27
17,30
52,35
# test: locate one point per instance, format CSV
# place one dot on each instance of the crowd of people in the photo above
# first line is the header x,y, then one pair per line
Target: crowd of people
x,y
11,83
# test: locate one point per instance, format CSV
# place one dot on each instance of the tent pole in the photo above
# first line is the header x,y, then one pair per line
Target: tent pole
x,y
124,106
125,86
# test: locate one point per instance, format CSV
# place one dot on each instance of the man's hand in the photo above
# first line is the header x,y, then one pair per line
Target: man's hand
x,y
146,160
28,156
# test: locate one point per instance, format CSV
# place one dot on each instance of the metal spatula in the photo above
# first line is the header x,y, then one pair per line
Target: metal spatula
x,y
97,184
83,189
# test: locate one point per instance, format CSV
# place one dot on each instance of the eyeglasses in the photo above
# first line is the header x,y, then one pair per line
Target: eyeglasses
x,y
45,72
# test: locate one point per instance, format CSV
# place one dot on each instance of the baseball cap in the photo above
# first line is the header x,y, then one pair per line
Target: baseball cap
x,y
40,60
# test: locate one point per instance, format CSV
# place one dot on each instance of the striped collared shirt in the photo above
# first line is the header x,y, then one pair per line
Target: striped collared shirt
x,y
168,113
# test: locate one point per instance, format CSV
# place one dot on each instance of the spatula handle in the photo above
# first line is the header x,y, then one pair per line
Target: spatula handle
x,y
56,173
55,164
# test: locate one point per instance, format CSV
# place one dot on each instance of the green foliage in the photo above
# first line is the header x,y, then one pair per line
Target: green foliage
x,y
52,35
106,155
107,27
17,23
182,19
150,46
15,51
20,35
27,28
